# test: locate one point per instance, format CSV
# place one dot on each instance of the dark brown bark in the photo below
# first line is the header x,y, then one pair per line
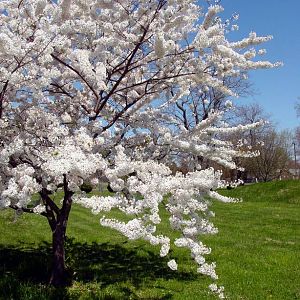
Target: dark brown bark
x,y
60,276
2,97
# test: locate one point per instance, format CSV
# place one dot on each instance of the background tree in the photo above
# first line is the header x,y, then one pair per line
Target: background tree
x,y
274,156
85,86
296,144
273,147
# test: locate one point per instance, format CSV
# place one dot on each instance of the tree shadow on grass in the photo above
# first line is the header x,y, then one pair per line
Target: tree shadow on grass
x,y
24,273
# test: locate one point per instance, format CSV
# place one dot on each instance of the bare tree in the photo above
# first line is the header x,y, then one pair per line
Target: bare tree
x,y
274,148
273,158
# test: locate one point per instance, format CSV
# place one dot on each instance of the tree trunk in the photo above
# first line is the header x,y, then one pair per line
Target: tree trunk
x,y
59,275
58,220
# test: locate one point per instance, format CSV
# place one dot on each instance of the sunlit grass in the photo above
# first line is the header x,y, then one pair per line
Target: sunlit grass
x,y
257,254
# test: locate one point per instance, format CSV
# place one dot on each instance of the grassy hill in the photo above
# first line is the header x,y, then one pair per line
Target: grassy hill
x,y
257,252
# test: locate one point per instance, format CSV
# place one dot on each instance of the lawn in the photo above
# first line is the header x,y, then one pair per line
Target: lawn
x,y
257,252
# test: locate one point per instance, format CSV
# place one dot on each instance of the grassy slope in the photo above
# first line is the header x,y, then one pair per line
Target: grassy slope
x,y
257,251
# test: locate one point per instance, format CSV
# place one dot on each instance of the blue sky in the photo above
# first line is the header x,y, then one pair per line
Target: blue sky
x,y
277,90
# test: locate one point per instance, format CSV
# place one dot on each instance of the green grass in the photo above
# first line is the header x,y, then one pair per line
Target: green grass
x,y
257,252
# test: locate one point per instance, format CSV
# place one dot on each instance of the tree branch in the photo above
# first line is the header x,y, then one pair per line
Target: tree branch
x,y
26,210
77,72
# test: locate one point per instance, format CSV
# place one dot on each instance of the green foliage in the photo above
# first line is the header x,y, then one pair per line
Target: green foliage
x,y
257,252
86,187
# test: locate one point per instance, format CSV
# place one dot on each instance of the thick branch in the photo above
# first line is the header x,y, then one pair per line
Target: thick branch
x,y
67,202
51,208
2,97
26,210
49,201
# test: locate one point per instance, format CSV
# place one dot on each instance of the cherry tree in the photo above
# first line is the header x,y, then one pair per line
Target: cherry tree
x,y
84,88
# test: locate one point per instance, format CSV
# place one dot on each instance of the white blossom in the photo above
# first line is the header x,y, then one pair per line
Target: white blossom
x,y
172,265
